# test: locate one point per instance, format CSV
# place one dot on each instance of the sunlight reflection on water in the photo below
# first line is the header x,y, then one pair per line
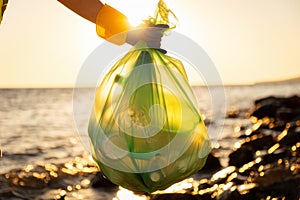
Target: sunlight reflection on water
x,y
39,132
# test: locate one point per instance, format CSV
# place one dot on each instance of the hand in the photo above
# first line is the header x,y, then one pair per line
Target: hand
x,y
150,34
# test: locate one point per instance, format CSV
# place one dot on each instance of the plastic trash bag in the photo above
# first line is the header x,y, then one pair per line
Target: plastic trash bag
x,y
145,129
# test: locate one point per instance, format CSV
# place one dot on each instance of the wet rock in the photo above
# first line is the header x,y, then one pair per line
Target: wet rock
x,y
289,189
204,184
230,195
98,181
246,152
279,182
178,197
265,107
288,114
277,125
273,175
275,156
240,157
290,102
259,143
5,190
212,164
280,108
290,138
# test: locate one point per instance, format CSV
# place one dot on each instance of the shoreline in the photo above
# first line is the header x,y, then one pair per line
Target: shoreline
x,y
263,163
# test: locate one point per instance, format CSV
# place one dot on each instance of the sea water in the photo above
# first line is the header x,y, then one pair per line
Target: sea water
x,y
38,126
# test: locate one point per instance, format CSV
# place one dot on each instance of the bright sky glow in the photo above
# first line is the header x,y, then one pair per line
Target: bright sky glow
x,y
44,44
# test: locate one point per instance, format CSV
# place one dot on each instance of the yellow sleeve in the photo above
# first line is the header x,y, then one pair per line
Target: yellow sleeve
x,y
112,25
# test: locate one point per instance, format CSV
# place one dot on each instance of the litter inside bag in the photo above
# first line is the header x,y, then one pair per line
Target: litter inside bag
x,y
145,129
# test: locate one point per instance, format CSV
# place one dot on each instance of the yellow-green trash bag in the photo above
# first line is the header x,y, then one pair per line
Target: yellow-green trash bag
x,y
146,130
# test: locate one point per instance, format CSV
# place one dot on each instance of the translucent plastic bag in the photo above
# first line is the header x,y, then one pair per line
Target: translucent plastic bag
x,y
145,129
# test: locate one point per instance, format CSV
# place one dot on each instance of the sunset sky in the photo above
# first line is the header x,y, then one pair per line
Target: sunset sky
x,y
43,44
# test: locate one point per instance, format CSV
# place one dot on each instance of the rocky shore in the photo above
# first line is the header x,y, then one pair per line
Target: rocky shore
x,y
262,163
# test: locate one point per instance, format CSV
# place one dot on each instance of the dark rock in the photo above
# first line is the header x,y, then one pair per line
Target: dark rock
x,y
278,126
288,114
290,102
247,150
265,107
275,156
98,181
260,143
252,194
267,110
279,182
265,99
5,190
212,164
291,138
230,195
273,175
204,186
179,197
282,109
240,157
289,189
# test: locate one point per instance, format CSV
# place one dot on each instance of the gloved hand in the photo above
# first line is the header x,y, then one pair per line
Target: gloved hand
x,y
113,26
150,34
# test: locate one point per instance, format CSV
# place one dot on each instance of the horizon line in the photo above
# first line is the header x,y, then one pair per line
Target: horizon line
x,y
295,79
89,86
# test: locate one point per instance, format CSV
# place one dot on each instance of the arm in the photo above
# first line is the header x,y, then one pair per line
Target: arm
x,y
3,4
87,9
110,22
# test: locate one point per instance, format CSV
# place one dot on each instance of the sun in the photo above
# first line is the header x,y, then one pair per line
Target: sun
x,y
136,10
137,15
135,21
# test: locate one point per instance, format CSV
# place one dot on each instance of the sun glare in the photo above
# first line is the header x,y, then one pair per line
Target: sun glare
x,y
135,20
136,10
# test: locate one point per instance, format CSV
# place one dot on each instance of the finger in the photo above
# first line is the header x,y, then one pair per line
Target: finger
x,y
153,44
161,27
153,34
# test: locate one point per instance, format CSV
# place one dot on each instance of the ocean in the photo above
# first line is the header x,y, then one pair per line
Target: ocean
x,y
37,126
